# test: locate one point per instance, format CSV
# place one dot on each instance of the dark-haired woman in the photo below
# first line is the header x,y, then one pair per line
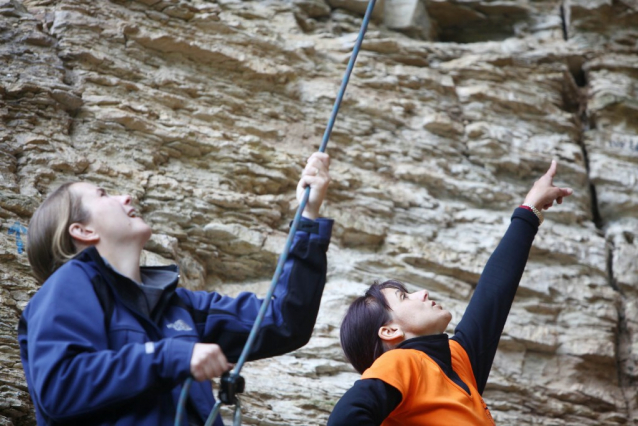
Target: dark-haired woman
x,y
412,373
105,342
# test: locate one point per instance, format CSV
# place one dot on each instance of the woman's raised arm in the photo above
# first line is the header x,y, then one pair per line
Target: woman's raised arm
x,y
480,329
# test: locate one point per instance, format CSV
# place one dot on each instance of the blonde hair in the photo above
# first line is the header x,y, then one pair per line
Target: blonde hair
x,y
49,243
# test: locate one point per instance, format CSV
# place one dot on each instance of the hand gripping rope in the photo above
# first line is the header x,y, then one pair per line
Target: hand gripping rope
x,y
232,383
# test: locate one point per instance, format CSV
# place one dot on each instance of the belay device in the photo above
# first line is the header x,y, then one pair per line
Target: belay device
x,y
232,383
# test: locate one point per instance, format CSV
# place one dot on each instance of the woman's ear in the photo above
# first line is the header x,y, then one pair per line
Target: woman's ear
x,y
391,334
83,235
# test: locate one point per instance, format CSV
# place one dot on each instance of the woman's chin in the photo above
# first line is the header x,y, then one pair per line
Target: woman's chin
x,y
146,235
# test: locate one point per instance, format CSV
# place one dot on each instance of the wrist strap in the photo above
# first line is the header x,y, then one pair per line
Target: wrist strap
x,y
536,212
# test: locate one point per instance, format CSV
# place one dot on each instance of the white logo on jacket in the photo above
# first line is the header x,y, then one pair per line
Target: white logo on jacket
x,y
179,325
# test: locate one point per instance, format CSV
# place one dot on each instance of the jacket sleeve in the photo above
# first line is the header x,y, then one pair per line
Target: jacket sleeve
x,y
368,403
480,329
64,348
291,314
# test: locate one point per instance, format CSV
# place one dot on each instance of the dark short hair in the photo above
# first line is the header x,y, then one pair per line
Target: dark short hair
x,y
360,327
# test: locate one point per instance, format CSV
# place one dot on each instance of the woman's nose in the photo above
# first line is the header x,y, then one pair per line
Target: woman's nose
x,y
126,199
421,295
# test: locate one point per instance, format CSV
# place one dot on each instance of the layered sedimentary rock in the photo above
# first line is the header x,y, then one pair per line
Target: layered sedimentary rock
x,y
205,113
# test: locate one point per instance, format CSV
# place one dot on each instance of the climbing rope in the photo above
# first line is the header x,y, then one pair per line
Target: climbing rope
x,y
232,383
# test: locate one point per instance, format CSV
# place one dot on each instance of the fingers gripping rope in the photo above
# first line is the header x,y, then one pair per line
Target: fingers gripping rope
x,y
232,383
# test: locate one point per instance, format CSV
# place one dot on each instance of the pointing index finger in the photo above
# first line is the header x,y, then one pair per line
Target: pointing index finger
x,y
552,170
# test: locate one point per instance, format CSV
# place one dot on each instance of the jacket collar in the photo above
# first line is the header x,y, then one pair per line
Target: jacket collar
x,y
128,291
91,253
437,347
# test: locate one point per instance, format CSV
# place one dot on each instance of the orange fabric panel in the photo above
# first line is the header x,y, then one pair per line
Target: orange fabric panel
x,y
429,396
461,363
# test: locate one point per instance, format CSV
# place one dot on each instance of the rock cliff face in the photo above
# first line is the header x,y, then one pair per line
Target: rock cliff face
x,y
205,112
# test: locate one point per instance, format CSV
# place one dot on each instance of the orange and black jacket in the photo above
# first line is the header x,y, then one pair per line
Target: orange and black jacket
x,y
434,380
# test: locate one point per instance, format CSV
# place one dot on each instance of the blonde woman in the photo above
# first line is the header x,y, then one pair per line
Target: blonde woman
x,y
107,342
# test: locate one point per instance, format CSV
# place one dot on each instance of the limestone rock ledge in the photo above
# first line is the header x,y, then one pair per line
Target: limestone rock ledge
x,y
205,112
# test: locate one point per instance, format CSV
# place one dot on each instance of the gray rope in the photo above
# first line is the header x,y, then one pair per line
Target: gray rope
x,y
234,374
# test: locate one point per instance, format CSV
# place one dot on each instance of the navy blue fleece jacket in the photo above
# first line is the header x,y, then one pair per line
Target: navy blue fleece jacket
x,y
96,351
